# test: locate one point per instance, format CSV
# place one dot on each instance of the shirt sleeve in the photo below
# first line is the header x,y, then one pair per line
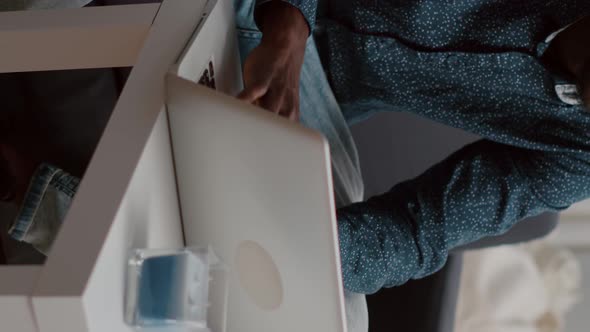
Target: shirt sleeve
x,y
482,190
307,7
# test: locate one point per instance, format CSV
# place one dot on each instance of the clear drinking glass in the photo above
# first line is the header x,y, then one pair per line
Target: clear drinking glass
x,y
175,288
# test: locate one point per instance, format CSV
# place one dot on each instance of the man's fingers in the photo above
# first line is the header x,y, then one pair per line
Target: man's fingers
x,y
281,101
272,101
252,93
290,108
294,116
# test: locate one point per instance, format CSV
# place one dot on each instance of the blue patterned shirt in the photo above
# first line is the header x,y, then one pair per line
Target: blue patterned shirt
x,y
472,64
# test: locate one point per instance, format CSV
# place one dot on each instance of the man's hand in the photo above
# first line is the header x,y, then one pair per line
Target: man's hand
x,y
272,70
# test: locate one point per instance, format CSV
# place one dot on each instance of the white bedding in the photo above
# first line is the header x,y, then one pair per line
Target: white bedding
x,y
520,288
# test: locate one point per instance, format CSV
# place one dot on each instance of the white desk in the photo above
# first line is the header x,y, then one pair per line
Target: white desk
x,y
128,197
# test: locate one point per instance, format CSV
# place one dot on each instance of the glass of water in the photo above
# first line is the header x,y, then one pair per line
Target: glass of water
x,y
176,288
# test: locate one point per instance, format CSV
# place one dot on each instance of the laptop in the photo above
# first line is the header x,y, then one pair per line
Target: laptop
x,y
256,188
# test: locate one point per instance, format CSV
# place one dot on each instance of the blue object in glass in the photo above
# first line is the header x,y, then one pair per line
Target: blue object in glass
x,y
169,287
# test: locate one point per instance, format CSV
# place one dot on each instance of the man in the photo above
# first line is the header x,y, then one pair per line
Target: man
x,y
483,66
503,70
494,68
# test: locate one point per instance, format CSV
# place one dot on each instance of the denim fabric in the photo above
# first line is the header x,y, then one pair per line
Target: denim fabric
x,y
46,203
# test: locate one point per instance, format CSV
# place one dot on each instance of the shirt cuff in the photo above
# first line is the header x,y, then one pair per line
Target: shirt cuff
x,y
307,7
569,94
566,91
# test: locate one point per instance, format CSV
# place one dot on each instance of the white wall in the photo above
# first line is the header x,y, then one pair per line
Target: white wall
x,y
573,230
579,319
579,210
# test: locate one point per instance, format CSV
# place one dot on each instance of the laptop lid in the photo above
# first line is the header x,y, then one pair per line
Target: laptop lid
x,y
257,188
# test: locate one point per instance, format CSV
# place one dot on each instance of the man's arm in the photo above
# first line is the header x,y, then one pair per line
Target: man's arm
x,y
481,190
306,8
272,70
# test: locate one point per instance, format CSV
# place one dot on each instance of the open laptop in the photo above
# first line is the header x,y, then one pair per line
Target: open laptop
x,y
256,188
